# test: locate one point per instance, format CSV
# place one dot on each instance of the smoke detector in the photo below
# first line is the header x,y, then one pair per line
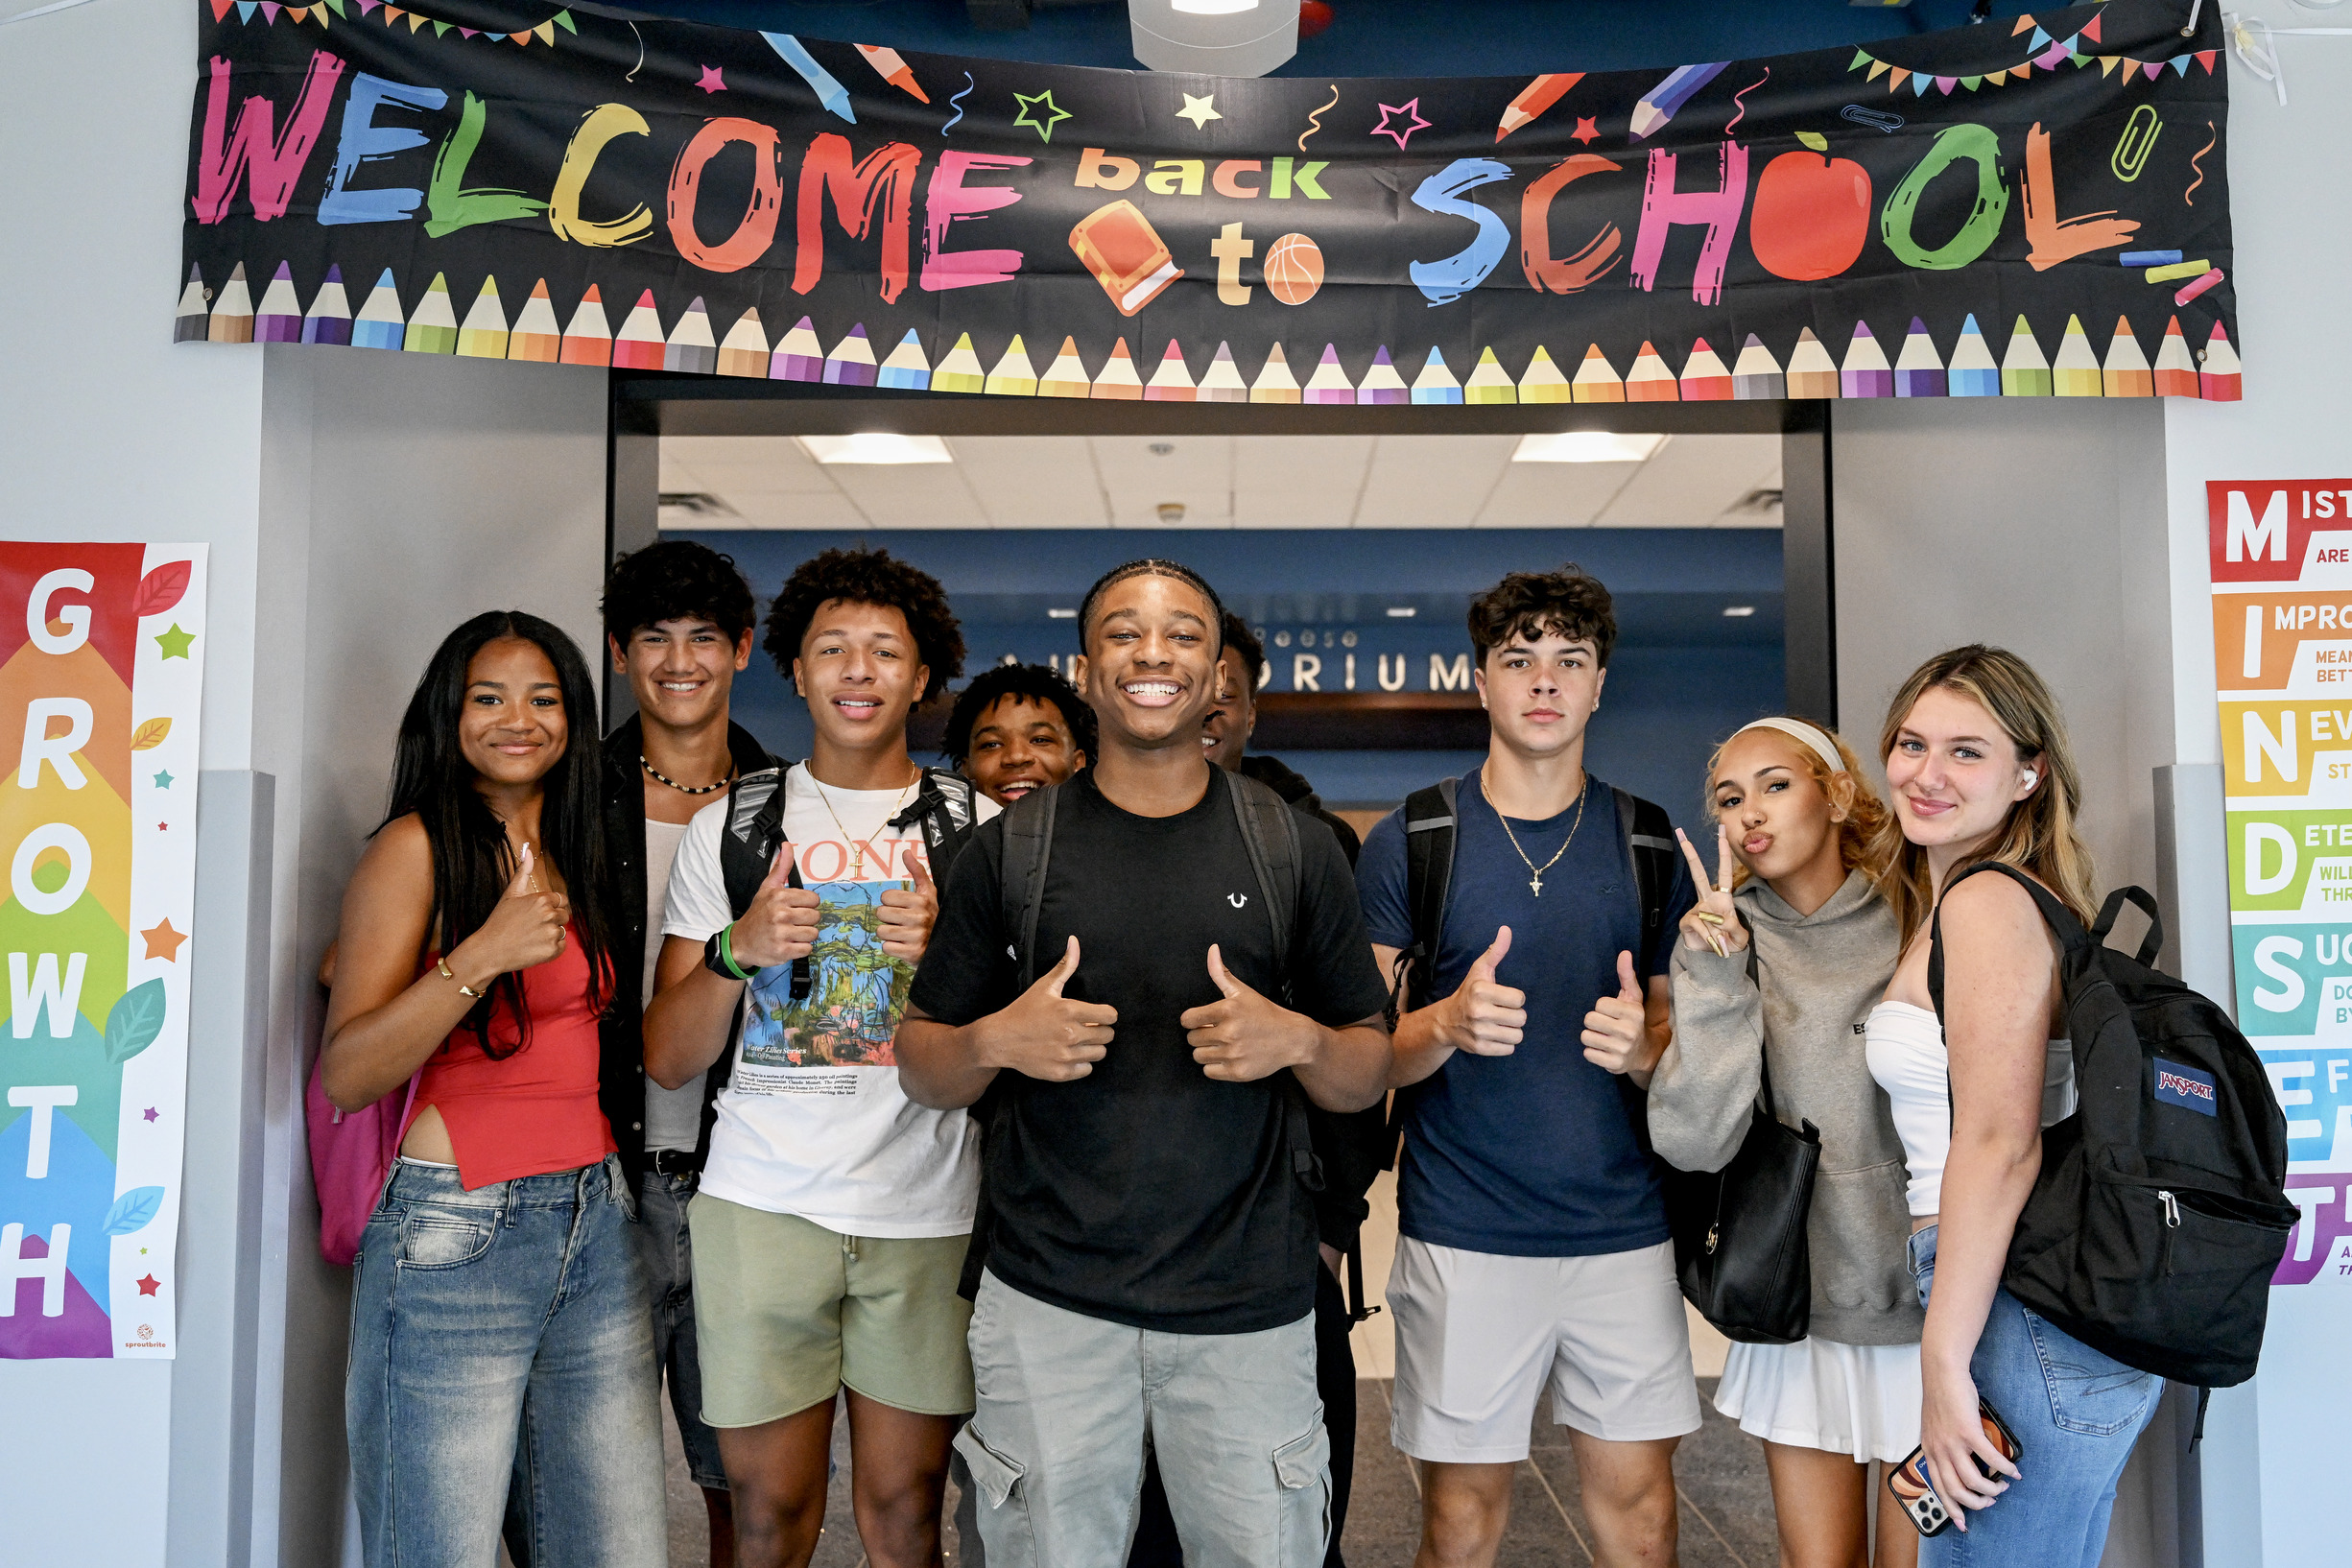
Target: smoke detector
x,y
1171,513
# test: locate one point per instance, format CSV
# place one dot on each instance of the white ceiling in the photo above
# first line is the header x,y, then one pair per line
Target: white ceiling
x,y
1223,482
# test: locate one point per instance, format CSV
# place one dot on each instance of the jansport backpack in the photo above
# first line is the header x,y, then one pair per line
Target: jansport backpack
x,y
2160,1214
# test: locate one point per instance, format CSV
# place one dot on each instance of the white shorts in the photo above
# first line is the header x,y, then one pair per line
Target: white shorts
x,y
1478,1335
1857,1399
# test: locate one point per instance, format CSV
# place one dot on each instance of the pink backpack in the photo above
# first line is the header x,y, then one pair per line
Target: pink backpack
x,y
351,1154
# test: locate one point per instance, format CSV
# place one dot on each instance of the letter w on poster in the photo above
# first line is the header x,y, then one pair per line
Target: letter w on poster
x,y
102,651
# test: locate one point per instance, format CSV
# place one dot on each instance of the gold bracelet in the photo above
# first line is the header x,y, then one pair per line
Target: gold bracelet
x,y
463,989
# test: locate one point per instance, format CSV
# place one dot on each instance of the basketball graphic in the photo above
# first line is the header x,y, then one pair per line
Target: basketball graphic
x,y
1293,269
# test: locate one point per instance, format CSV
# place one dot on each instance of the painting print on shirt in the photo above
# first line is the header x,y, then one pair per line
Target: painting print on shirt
x,y
857,992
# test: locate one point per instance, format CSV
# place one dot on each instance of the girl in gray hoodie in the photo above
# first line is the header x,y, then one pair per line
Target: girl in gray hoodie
x,y
1793,819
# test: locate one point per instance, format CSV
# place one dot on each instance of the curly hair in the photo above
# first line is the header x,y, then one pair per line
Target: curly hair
x,y
1242,641
1151,566
867,576
1570,603
1028,682
1850,788
675,580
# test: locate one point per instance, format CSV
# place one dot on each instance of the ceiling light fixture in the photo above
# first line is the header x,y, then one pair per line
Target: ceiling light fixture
x,y
1735,611
1402,613
1213,38
1587,446
877,446
1059,614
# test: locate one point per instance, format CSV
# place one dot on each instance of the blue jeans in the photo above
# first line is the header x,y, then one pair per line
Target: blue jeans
x,y
501,1335
665,1252
2075,1412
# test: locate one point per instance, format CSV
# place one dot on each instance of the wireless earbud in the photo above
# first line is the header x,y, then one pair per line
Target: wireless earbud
x,y
2032,778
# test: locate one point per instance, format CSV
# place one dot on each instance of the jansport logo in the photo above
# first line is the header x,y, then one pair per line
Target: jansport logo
x,y
2186,1087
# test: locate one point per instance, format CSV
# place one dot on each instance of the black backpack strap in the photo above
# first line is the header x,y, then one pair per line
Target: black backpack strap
x,y
1270,832
946,807
2059,918
1029,845
1647,836
747,848
1430,835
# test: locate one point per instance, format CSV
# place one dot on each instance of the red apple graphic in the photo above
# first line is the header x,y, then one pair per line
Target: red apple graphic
x,y
1811,216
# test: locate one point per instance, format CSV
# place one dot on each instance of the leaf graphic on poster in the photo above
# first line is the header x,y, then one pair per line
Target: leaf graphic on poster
x,y
133,1211
161,589
149,735
1815,140
134,1022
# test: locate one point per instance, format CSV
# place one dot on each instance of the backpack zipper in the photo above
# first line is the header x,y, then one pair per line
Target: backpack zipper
x,y
2171,1223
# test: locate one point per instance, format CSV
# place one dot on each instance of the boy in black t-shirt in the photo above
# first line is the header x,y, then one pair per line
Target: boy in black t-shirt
x,y
1152,1239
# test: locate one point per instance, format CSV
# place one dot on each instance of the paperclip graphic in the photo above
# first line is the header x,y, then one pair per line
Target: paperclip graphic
x,y
1875,119
2136,143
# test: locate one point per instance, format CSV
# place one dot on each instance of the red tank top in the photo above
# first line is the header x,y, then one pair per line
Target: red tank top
x,y
534,1111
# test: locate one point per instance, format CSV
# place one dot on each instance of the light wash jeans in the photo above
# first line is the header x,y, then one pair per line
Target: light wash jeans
x,y
1067,1403
2075,1412
498,1336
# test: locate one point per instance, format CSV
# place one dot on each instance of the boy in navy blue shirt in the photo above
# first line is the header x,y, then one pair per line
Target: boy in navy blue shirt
x,y
1534,1248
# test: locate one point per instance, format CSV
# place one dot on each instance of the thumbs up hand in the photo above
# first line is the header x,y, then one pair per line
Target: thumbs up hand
x,y
1242,1036
908,913
1483,1016
1617,1032
1045,1034
781,924
525,928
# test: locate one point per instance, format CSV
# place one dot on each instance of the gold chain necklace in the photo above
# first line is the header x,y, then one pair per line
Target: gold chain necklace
x,y
857,845
1535,879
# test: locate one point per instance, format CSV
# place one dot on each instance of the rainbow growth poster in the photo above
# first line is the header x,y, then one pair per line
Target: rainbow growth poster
x,y
102,651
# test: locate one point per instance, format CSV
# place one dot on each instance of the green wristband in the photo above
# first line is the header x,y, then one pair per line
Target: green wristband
x,y
725,946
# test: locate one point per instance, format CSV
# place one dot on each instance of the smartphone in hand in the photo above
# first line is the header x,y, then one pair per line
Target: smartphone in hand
x,y
1910,1484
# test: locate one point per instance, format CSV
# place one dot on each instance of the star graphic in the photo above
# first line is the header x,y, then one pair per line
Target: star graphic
x,y
1586,132
148,1285
1409,109
712,81
163,942
149,1114
163,780
1199,110
175,642
163,827
1054,114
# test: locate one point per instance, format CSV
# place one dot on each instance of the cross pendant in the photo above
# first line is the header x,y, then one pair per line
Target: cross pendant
x,y
1535,884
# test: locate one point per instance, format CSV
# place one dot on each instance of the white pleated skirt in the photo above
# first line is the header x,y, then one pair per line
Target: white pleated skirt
x,y
1857,1399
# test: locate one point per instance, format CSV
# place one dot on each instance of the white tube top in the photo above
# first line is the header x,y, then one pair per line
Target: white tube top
x,y
1906,1052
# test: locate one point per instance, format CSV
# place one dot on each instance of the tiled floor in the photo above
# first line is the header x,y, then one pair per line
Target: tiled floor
x,y
1719,1472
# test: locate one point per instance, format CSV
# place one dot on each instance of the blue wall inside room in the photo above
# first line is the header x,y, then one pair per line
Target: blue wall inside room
x,y
1683,677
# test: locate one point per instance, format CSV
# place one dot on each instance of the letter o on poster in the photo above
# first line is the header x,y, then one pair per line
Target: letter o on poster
x,y
62,836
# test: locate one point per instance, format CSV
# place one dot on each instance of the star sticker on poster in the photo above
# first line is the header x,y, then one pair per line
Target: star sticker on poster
x,y
1409,111
175,642
1586,131
1199,110
148,1115
163,780
163,942
148,1285
1054,114
712,81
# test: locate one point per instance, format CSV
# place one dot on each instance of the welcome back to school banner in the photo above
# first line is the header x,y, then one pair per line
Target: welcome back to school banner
x,y
2036,206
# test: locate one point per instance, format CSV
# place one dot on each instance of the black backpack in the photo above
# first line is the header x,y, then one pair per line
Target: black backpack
x,y
2160,1214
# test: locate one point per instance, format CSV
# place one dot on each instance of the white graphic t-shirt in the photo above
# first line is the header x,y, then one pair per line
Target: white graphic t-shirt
x,y
812,1121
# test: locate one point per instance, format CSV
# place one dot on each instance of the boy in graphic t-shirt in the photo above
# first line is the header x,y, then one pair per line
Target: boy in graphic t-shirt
x,y
830,1230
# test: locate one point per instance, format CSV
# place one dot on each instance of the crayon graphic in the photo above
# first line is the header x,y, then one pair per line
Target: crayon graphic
x,y
1066,376
1650,381
1597,380
232,311
1118,383
907,370
1756,375
536,337
2217,371
691,349
1704,380
330,311
959,371
1329,384
2197,286
799,357
1489,382
1173,381
433,326
1865,373
380,323
1013,377
1543,382
2024,372
588,339
1224,383
1918,369
1275,382
2148,258
744,350
1533,98
483,334
851,363
1661,103
892,69
2178,270
195,318
1435,384
1381,385
2176,366
2125,373
2074,372
279,320
1811,372
823,83
1972,372
640,342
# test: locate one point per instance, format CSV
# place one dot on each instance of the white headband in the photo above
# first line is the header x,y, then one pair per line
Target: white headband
x,y
1814,740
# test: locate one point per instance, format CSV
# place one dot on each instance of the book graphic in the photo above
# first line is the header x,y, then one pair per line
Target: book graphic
x,y
1126,254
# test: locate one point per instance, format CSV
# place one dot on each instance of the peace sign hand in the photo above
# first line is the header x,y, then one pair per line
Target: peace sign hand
x,y
1714,921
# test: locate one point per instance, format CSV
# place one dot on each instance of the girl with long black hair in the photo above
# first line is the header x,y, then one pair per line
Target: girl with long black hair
x,y
497,1338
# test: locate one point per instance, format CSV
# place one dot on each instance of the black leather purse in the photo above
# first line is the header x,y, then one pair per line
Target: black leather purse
x,y
1739,1250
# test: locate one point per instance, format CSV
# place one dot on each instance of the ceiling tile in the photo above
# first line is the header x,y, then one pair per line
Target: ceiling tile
x,y
910,495
772,465
1031,481
1689,482
1553,494
1196,472
1287,482
1430,481
780,512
